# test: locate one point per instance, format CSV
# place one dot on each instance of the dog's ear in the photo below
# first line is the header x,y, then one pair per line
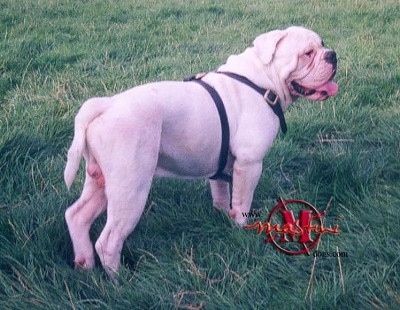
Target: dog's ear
x,y
266,44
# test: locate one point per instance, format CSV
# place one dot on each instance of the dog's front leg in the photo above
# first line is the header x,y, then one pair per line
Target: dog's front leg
x,y
220,194
245,178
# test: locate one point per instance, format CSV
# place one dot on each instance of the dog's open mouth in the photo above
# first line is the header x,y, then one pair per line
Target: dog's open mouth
x,y
323,92
302,90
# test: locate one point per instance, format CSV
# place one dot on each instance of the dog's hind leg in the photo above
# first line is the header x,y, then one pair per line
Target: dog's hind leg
x,y
126,201
80,216
128,168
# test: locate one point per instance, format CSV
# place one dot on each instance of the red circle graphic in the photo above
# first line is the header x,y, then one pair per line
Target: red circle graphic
x,y
302,247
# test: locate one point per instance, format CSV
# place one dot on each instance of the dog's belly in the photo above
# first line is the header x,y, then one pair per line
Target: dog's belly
x,y
189,158
181,174
188,168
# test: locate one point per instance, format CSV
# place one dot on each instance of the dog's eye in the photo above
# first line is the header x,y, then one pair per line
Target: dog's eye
x,y
309,53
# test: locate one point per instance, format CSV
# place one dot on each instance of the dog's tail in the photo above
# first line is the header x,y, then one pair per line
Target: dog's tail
x,y
90,110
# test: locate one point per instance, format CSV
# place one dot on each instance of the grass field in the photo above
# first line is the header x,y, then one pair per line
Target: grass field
x,y
343,155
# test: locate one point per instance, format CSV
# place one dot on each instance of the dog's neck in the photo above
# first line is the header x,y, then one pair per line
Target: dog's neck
x,y
250,66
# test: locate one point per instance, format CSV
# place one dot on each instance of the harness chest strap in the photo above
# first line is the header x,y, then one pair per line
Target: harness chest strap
x,y
269,96
223,158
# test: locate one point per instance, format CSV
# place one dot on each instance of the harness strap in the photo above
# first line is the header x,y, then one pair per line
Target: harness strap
x,y
269,96
223,157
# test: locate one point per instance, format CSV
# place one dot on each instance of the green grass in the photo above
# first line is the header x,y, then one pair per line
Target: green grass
x,y
183,254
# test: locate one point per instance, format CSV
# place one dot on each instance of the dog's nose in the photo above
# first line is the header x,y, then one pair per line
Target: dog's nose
x,y
330,57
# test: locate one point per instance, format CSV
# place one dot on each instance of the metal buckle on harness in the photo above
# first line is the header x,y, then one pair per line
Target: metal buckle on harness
x,y
270,97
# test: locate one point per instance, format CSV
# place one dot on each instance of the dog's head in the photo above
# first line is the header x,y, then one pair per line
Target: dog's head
x,y
300,59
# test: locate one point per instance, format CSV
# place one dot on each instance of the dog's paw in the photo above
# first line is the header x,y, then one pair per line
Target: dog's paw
x,y
238,218
112,275
82,263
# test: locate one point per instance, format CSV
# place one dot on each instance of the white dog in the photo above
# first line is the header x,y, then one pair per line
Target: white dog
x,y
173,129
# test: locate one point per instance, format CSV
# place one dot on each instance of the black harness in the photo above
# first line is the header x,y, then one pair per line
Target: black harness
x,y
269,96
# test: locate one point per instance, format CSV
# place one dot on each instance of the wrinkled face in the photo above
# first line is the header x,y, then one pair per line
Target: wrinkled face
x,y
304,65
313,65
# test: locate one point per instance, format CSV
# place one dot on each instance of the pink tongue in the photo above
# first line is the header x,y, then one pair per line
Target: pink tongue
x,y
331,88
